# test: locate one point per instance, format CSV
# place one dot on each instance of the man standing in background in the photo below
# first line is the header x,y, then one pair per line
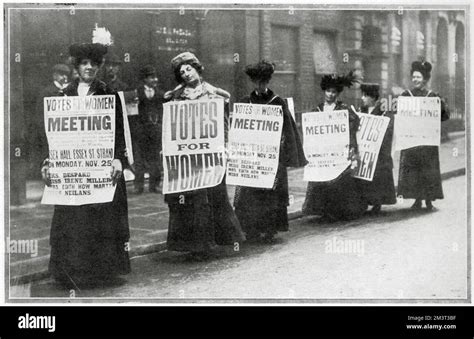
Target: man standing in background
x,y
112,79
150,117
112,70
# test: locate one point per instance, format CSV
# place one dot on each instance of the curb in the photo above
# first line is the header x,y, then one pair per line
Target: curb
x,y
44,274
161,246
454,173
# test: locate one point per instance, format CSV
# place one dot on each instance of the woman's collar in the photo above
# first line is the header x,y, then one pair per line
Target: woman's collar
x,y
421,90
193,92
268,93
95,86
259,93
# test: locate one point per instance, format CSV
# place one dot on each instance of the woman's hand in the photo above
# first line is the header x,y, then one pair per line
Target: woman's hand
x,y
45,175
169,95
116,171
354,158
355,162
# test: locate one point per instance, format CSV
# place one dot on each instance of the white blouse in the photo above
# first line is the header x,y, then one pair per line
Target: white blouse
x,y
83,89
329,108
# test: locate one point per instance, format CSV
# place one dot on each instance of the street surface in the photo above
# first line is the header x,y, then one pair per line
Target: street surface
x,y
398,255
148,214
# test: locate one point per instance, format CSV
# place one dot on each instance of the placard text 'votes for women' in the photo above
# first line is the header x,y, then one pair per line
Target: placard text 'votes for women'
x,y
372,129
193,144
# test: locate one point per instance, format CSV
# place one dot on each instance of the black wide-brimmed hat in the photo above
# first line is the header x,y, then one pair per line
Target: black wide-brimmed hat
x,y
424,67
371,89
338,81
147,70
95,52
262,70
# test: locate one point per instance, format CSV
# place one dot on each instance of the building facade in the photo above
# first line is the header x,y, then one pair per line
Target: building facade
x,y
304,43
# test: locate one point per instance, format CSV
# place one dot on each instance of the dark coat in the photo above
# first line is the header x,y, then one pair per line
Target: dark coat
x,y
150,120
89,241
150,111
202,218
381,190
420,174
340,198
146,134
263,210
117,85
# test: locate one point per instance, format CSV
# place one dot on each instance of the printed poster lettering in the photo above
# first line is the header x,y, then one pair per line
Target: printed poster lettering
x,y
81,139
370,135
418,122
254,145
193,144
326,144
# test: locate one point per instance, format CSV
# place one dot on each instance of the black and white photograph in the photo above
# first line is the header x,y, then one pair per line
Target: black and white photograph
x,y
254,153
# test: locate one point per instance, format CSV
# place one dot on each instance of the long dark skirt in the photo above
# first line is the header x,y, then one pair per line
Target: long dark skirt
x,y
264,210
381,190
420,175
340,199
90,241
202,219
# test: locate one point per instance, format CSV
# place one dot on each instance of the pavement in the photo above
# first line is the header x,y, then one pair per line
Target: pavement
x,y
399,255
148,215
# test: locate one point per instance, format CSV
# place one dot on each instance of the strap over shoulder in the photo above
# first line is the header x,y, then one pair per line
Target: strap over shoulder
x,y
273,98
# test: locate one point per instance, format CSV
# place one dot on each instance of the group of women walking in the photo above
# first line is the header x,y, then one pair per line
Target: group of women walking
x,y
89,242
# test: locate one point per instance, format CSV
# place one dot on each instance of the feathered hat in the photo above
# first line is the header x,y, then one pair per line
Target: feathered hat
x,y
101,35
262,70
338,81
95,52
424,67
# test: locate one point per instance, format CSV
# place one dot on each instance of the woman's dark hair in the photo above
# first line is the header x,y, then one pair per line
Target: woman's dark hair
x,y
372,95
262,70
194,64
370,89
424,67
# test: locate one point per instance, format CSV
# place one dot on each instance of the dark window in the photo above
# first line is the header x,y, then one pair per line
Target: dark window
x,y
285,57
325,61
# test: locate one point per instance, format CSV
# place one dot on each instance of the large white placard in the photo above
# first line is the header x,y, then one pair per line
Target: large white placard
x,y
370,135
193,144
326,144
254,145
418,122
81,140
